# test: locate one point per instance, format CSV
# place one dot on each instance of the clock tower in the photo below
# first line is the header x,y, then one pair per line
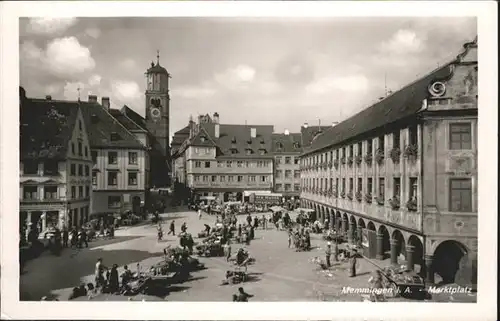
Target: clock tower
x,y
157,121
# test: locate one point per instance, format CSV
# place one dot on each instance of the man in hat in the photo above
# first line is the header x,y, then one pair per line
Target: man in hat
x,y
328,253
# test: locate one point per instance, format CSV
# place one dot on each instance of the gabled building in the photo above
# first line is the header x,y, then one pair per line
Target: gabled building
x,y
225,161
287,148
55,169
400,177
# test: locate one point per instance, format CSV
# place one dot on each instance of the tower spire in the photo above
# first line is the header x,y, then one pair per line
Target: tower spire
x,y
78,92
157,57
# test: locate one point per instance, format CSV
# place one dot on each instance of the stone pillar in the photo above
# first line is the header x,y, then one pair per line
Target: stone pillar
x,y
28,225
360,236
62,219
44,220
429,271
351,233
394,251
410,249
338,225
345,227
331,221
380,247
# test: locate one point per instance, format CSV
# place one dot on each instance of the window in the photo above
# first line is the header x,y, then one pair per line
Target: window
x,y
279,187
360,148
351,150
381,143
288,187
413,134
132,158
114,137
343,185
80,170
360,184
263,179
343,152
30,192
196,178
369,146
112,178
296,174
80,126
413,188
288,174
86,149
369,187
229,163
114,201
381,187
351,183
252,178
396,140
230,178
262,151
220,164
30,167
50,168
336,184
239,163
94,178
94,156
460,136
50,192
72,170
214,178
197,164
87,170
73,149
240,178
397,187
87,191
249,151
223,179
80,191
205,178
112,158
80,149
461,195
279,173
296,161
207,164
132,178
73,191
288,160
278,160
296,187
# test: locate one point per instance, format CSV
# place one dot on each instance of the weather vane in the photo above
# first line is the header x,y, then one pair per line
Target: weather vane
x,y
158,57
78,92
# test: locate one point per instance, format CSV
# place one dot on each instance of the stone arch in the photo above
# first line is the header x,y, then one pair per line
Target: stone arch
x,y
345,223
361,223
449,255
353,226
331,219
386,241
371,226
399,244
415,244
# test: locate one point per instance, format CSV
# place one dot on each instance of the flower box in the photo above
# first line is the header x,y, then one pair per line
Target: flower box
x,y
395,203
368,198
411,205
342,194
395,155
336,163
369,159
380,200
411,152
358,159
335,194
379,156
350,161
342,160
330,164
349,196
359,196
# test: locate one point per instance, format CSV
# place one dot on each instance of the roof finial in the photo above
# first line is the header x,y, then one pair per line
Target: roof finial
x,y
78,92
157,57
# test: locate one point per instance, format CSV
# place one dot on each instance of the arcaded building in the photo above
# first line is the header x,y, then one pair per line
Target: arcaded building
x,y
400,177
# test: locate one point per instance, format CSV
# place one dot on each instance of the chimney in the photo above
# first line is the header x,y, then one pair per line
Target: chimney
x,y
105,103
253,132
217,130
287,132
335,123
93,99
48,97
192,125
216,117
306,125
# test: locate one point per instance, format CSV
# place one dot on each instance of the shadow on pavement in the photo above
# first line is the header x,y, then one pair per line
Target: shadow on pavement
x,y
68,269
116,239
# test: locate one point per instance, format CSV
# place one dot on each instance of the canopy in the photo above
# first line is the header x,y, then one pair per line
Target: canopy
x,y
232,203
208,198
306,210
277,209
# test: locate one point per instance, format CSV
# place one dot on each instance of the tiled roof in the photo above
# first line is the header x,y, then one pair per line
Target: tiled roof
x,y
401,104
156,68
46,126
310,132
136,118
125,121
235,140
101,126
291,143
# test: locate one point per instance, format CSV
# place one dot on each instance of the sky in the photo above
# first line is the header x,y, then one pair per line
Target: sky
x,y
271,71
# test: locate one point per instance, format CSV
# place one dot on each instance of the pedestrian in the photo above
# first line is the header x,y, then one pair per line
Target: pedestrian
x,y
239,230
172,228
114,285
199,213
336,251
352,265
126,276
249,219
243,296
328,253
228,250
256,222
289,238
65,236
99,271
183,227
308,240
84,238
264,222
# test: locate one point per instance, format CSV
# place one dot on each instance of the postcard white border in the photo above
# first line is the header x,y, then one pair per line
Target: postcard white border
x,y
485,11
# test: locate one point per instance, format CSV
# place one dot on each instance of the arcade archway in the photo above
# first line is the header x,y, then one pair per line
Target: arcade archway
x,y
398,247
385,246
448,257
415,254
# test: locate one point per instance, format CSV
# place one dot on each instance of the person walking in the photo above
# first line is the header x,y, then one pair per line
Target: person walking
x,y
243,296
328,253
336,251
183,227
65,236
114,284
99,273
199,213
172,228
352,265
228,250
289,238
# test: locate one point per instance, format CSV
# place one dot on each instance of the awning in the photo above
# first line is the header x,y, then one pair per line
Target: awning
x,y
208,198
277,209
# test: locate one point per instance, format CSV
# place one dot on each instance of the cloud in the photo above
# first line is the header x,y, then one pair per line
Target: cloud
x,y
93,32
403,42
348,84
49,26
193,92
128,63
63,57
125,90
95,80
236,78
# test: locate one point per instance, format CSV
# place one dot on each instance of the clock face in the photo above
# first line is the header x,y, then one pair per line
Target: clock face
x,y
155,112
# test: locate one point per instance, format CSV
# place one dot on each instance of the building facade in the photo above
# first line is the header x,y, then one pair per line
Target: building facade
x,y
55,183
400,177
225,161
287,148
120,171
